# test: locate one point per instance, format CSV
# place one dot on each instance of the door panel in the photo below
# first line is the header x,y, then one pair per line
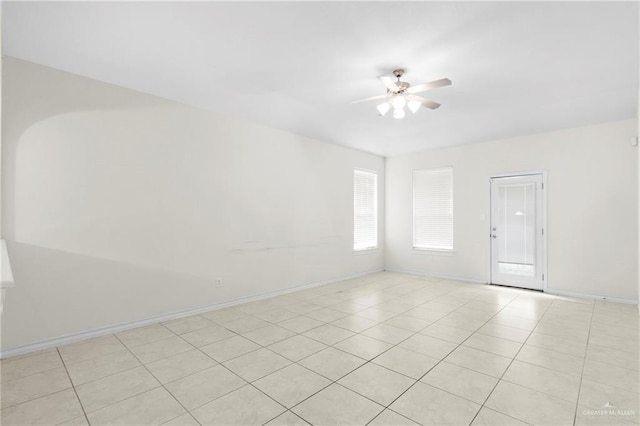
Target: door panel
x,y
516,231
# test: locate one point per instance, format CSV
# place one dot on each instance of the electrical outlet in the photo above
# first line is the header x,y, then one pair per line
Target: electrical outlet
x,y
218,282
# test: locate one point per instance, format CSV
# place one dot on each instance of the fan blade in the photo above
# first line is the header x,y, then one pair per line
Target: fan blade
x,y
389,84
425,102
428,86
373,98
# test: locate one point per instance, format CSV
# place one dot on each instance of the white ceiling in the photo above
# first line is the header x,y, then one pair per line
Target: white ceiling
x,y
517,68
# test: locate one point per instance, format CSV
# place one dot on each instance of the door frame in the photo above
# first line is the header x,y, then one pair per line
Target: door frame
x,y
545,281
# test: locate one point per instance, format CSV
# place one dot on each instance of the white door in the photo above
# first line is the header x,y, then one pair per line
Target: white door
x,y
517,231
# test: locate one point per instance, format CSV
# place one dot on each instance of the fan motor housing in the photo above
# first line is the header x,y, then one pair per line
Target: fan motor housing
x,y
402,85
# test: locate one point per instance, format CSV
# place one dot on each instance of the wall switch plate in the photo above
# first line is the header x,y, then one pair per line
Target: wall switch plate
x,y
218,282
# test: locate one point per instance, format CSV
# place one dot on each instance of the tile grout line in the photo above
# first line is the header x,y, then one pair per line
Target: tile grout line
x,y
231,371
544,367
444,357
351,371
441,360
55,349
362,331
377,323
210,357
301,334
175,334
509,366
414,333
73,386
152,375
331,381
248,383
584,363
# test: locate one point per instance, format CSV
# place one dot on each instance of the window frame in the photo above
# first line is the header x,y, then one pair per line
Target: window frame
x,y
375,211
425,248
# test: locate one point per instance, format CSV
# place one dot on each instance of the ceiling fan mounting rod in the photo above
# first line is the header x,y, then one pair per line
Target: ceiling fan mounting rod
x,y
401,86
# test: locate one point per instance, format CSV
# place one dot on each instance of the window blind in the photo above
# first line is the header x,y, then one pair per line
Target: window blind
x,y
433,209
365,210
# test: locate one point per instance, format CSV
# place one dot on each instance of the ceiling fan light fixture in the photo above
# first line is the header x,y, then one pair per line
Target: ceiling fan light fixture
x,y
398,102
384,108
401,94
398,113
414,106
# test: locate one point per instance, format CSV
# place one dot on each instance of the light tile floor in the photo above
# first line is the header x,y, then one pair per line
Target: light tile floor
x,y
384,349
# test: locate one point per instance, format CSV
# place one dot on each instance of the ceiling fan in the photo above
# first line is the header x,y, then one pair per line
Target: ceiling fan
x,y
400,94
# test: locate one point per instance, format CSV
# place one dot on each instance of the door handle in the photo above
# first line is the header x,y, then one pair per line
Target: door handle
x,y
494,236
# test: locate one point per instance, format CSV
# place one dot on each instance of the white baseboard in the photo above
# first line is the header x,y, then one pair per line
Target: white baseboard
x,y
72,338
64,340
590,296
440,276
547,291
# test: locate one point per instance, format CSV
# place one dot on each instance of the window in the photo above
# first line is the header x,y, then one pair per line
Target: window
x,y
365,210
433,209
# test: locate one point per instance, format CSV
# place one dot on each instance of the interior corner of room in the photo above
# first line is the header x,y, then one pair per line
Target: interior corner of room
x,y
122,208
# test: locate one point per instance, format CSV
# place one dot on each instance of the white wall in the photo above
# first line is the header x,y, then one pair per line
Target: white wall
x,y
119,206
1,67
592,207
